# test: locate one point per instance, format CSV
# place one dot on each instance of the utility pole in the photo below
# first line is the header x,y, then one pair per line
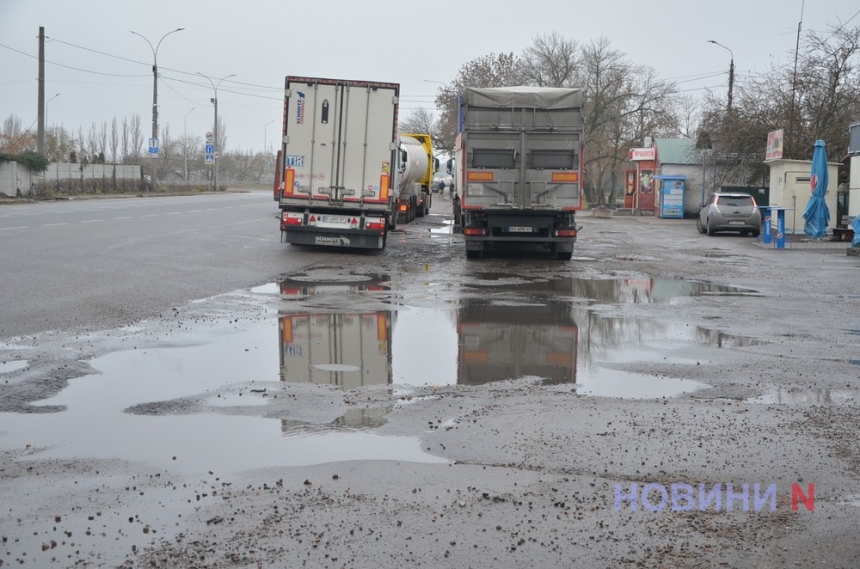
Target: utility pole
x,y
214,100
154,156
731,72
40,136
789,140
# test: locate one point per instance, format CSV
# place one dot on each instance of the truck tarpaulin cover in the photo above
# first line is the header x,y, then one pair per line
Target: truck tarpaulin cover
x,y
528,97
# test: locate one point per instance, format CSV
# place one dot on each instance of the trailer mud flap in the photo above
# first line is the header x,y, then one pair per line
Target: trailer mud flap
x,y
334,239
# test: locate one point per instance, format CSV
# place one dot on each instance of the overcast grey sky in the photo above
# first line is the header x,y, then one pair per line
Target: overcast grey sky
x,y
100,70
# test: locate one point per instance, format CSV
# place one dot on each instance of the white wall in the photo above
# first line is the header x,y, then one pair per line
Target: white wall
x,y
15,177
789,187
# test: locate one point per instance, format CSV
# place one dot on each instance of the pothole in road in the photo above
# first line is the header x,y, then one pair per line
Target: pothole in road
x,y
514,328
223,404
9,367
808,397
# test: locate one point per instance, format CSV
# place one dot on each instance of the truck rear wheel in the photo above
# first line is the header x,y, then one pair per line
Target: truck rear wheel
x,y
564,255
473,254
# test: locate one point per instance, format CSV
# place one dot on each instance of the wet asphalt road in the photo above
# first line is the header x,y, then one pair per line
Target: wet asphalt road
x,y
100,263
518,473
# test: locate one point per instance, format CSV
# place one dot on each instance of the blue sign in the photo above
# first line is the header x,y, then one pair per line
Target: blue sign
x,y
294,161
210,149
210,159
153,146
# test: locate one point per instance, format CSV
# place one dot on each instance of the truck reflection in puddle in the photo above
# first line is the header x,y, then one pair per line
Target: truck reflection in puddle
x,y
505,342
346,350
506,328
352,350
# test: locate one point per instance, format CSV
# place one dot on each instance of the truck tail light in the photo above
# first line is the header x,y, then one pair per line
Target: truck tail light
x,y
292,219
565,233
403,207
473,231
375,225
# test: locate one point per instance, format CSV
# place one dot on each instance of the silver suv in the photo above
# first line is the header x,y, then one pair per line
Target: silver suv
x,y
729,212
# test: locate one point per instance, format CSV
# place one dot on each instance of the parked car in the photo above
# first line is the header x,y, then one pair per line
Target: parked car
x,y
729,212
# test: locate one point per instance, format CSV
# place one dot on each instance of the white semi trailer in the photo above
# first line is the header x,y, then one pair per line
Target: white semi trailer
x,y
337,174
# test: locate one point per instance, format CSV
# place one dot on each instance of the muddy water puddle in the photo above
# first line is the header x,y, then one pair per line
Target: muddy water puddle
x,y
214,406
170,408
14,365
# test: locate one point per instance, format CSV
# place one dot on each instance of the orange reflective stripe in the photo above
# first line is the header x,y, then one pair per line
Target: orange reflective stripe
x,y
383,186
479,176
289,180
571,177
381,326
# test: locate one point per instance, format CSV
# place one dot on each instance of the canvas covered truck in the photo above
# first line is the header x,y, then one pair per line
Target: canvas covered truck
x,y
518,168
336,177
417,166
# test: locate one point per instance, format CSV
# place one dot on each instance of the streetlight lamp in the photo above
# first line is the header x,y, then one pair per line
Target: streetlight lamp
x,y
46,107
155,97
185,140
265,135
215,129
731,71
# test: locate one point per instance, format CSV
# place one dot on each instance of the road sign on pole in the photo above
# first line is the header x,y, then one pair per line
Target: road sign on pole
x,y
210,136
210,159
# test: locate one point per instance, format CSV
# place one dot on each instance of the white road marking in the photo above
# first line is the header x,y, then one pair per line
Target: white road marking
x,y
53,224
173,213
151,215
92,220
11,228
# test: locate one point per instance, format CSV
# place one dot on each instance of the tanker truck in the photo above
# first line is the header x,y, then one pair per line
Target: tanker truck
x,y
337,175
518,168
416,169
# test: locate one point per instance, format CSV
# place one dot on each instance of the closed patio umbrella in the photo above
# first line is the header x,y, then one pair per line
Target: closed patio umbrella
x,y
816,214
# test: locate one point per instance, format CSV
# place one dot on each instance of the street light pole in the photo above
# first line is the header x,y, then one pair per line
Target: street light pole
x,y
185,140
155,97
215,129
731,71
46,108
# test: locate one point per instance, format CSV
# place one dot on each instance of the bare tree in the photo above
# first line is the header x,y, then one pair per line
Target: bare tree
x,y
135,140
552,61
12,126
114,140
92,148
624,102
102,141
419,121
502,70
243,166
126,142
222,134
816,102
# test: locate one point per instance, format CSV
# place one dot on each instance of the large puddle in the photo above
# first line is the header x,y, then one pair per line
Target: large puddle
x,y
545,331
201,407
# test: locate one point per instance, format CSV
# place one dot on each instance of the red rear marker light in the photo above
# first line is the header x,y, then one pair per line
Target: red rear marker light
x,y
473,231
292,220
378,226
565,233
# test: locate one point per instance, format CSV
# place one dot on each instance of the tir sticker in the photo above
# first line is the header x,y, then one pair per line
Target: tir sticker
x,y
295,161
